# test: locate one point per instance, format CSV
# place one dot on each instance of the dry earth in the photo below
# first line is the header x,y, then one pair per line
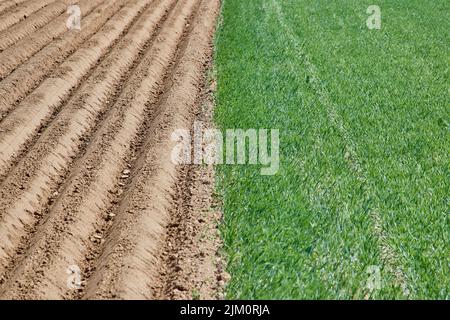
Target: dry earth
x,y
86,180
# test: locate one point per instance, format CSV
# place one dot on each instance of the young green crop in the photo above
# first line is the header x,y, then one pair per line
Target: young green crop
x,y
363,186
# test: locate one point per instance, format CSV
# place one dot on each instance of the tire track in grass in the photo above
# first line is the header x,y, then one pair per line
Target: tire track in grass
x,y
10,18
87,194
37,20
44,168
387,254
23,125
34,71
22,50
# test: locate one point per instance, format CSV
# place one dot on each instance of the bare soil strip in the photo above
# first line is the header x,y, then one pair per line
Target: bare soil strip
x,y
27,47
32,114
7,4
85,169
34,71
10,18
34,22
93,94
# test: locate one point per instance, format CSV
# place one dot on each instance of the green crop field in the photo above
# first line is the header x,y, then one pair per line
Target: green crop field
x,y
360,206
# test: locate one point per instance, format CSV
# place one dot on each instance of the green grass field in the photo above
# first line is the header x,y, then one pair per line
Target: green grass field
x,y
364,123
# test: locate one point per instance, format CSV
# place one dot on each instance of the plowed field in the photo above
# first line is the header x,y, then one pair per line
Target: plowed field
x,y
87,188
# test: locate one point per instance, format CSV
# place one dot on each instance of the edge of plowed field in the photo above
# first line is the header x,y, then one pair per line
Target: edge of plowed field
x,y
86,177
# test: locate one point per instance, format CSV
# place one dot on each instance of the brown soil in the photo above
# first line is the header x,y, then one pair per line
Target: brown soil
x,y
86,178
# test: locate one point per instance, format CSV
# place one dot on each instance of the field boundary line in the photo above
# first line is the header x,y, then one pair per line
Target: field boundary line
x,y
387,253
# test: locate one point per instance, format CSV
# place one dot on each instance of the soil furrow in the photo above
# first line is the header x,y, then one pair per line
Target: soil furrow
x,y
129,163
88,194
10,18
88,187
8,4
128,265
191,266
20,129
39,19
61,141
102,71
25,48
34,71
